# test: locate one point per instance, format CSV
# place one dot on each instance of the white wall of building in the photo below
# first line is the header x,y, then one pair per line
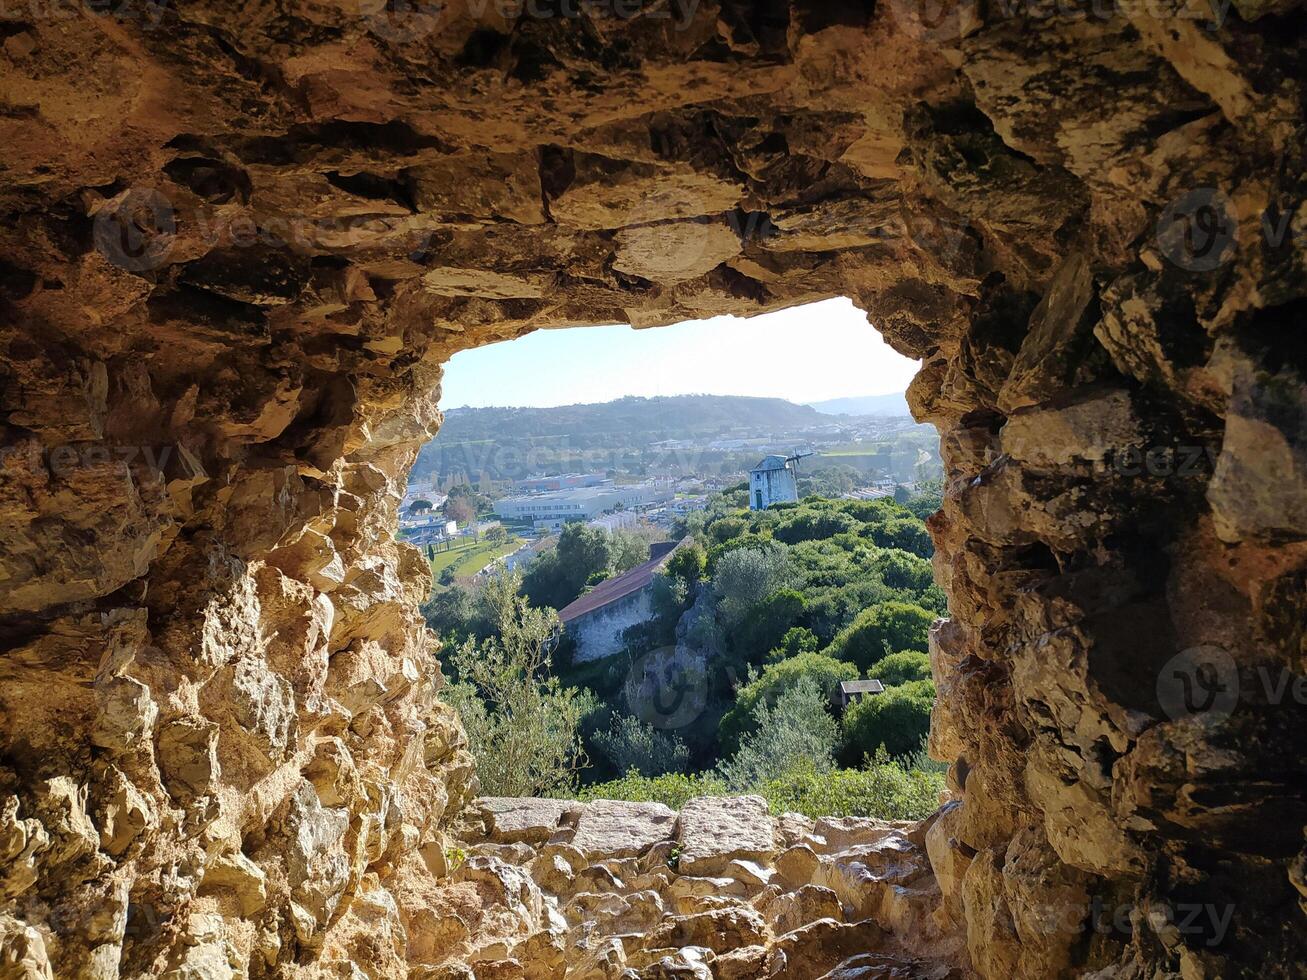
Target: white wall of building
x,y
772,486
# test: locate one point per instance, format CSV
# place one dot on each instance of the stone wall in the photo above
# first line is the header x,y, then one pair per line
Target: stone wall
x,y
238,240
599,634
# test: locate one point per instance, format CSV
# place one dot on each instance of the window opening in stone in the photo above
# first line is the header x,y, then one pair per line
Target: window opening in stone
x,y
645,592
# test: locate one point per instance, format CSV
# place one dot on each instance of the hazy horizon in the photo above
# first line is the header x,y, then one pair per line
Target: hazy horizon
x,y
679,394
803,354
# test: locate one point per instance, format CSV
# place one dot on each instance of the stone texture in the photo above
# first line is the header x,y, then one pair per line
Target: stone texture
x,y
239,243
714,831
617,829
515,820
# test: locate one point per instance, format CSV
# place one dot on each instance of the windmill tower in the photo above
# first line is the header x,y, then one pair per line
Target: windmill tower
x,y
775,481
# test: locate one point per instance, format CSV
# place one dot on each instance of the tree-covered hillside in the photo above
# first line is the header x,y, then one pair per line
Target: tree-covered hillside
x,y
767,612
496,441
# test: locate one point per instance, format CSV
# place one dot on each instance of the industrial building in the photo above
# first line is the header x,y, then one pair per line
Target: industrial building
x,y
567,481
554,508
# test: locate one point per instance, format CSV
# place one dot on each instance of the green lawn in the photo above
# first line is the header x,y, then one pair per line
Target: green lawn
x,y
468,559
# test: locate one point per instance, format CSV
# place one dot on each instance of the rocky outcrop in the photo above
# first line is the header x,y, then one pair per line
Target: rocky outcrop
x,y
693,905
240,240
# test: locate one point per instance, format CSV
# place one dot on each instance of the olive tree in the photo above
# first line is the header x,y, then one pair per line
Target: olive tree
x,y
522,724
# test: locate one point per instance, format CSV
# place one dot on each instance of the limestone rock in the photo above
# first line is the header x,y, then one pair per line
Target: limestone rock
x,y
797,865
714,831
238,250
187,752
615,829
21,840
794,910
317,864
529,821
242,877
719,931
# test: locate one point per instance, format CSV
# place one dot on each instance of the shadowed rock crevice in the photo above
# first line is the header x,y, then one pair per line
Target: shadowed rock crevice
x,y
237,246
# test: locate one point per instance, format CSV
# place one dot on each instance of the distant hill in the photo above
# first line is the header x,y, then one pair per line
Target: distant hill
x,y
895,403
497,440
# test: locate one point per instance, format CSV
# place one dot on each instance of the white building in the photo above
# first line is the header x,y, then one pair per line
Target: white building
x,y
773,481
547,510
599,617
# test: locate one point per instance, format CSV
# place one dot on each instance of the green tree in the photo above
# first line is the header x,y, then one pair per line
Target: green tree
x,y
556,577
794,733
821,671
902,570
497,535
746,576
687,564
881,630
897,719
906,533
762,629
452,614
797,640
627,551
810,524
630,744
901,668
522,725
728,527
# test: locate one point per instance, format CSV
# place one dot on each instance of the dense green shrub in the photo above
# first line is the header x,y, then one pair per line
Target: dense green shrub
x,y
824,673
795,731
883,789
797,640
687,564
902,570
881,630
906,533
901,668
898,720
810,524
672,789
832,609
767,622
632,745
725,528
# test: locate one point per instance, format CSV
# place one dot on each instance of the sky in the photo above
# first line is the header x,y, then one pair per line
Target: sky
x,y
803,354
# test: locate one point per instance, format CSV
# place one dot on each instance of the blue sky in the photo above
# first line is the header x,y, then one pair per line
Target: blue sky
x,y
806,353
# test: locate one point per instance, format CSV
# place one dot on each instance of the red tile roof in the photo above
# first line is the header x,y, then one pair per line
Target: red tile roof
x,y
620,586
